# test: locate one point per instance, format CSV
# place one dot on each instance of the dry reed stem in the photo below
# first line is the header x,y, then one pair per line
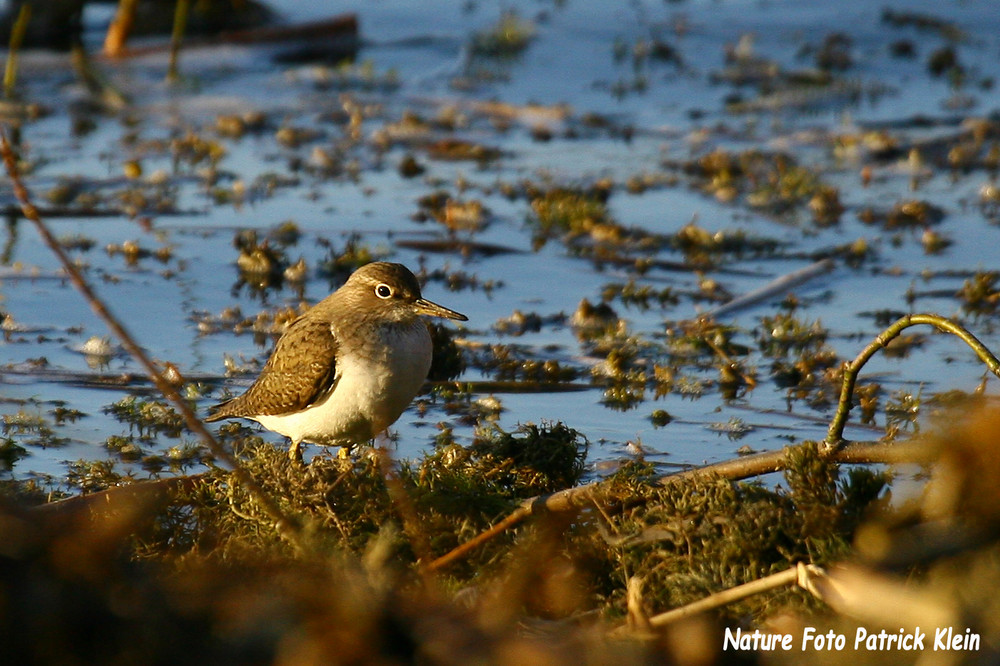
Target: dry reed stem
x,y
804,575
285,525
779,285
121,26
871,596
14,48
176,37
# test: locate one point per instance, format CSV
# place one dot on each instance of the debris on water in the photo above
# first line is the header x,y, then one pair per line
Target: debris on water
x,y
99,350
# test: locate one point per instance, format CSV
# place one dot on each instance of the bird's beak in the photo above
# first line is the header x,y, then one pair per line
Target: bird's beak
x,y
432,309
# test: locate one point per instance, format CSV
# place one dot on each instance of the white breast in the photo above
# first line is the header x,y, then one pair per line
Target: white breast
x,y
374,386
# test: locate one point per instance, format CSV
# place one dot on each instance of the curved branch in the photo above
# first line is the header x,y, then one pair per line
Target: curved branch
x,y
835,435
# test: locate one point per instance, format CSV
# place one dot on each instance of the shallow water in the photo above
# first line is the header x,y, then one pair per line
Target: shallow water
x,y
678,112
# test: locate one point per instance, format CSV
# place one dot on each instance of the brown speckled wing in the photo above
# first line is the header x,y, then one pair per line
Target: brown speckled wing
x,y
302,368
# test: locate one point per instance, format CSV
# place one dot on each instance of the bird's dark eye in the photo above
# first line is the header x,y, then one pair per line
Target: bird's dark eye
x,y
383,290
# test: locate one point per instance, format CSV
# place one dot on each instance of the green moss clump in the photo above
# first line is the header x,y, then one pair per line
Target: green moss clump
x,y
147,417
689,540
455,491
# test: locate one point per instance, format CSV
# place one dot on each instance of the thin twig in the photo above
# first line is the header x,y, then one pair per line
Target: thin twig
x,y
835,436
286,526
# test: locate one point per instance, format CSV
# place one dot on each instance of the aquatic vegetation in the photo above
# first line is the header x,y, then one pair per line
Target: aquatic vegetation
x,y
783,333
261,265
410,167
902,409
592,322
561,211
518,323
448,362
704,337
10,453
455,214
703,247
625,395
734,429
507,362
341,263
348,75
147,417
770,182
29,428
124,447
94,475
507,38
834,53
235,126
193,150
923,22
904,214
901,346
453,150
980,293
457,280
660,418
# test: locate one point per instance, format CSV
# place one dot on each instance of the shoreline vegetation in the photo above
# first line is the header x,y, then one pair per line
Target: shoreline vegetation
x,y
503,549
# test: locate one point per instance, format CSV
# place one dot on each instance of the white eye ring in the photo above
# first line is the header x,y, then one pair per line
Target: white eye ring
x,y
382,290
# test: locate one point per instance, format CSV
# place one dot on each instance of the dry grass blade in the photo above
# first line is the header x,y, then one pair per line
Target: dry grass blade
x,y
16,38
176,37
802,574
284,524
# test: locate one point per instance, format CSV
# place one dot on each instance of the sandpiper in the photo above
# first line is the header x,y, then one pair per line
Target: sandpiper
x,y
345,370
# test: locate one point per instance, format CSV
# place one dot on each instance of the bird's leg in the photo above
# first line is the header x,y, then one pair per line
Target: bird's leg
x,y
295,451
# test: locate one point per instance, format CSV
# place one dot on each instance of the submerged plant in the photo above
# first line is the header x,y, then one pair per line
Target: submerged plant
x,y
567,211
147,416
507,38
